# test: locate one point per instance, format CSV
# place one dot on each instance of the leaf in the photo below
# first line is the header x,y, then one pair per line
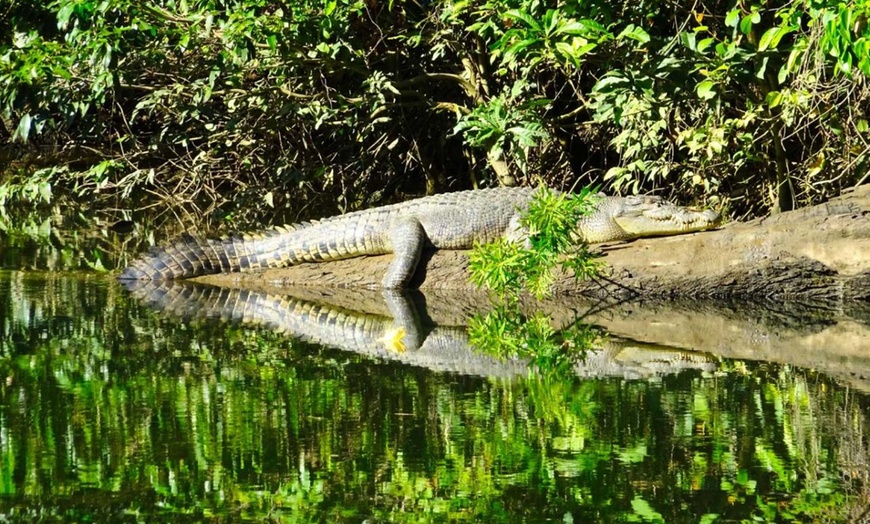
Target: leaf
x,y
23,130
525,17
706,90
793,58
688,40
645,511
45,191
609,82
64,14
782,76
733,18
771,37
518,47
635,33
550,21
583,49
704,44
527,136
593,27
746,25
766,39
567,52
762,68
669,62
781,32
573,28
774,98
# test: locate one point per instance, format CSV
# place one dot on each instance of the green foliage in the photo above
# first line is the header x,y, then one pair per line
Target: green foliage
x,y
554,39
510,268
508,333
203,104
643,512
501,128
26,188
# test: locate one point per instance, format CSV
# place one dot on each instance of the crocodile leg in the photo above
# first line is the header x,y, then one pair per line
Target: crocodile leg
x,y
407,237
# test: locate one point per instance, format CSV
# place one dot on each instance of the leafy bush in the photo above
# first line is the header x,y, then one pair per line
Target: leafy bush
x,y
234,103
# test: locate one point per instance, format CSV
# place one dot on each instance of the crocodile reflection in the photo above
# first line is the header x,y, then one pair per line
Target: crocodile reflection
x,y
387,325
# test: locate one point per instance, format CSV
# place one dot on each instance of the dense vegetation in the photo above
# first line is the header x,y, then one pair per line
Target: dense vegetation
x,y
225,104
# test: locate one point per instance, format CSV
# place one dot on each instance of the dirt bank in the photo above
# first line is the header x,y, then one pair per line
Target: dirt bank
x,y
820,254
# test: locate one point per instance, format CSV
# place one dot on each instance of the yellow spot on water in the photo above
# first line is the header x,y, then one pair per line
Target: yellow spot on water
x,y
393,339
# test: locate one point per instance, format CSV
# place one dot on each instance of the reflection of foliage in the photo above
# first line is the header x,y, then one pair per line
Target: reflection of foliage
x,y
72,237
507,333
107,410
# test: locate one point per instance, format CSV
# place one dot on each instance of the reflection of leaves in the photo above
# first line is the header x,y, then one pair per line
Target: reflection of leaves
x,y
506,333
633,455
158,408
646,512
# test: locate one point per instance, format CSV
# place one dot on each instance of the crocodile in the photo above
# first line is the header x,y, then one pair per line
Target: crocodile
x,y
394,331
446,221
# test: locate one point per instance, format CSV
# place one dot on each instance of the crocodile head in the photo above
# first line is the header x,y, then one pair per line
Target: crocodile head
x,y
626,218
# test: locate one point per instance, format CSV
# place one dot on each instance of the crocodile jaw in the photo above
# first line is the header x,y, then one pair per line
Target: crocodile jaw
x,y
657,218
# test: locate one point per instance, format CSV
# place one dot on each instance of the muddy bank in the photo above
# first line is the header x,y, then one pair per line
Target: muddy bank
x,y
819,254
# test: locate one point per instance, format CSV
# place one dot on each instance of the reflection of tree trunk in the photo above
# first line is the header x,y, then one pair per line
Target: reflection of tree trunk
x,y
816,253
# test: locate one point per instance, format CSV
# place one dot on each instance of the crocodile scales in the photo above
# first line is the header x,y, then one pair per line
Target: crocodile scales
x,y
445,221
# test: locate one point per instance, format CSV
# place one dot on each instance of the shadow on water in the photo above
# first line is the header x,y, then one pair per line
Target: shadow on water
x,y
338,406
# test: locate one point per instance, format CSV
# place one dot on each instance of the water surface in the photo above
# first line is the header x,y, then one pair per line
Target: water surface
x,y
111,410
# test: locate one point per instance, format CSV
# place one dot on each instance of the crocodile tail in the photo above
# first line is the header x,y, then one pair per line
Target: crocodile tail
x,y
191,256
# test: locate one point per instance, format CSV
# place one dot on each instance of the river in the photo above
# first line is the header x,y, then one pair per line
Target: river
x,y
190,403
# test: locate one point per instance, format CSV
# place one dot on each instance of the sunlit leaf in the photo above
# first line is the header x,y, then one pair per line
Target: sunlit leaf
x,y
732,18
706,90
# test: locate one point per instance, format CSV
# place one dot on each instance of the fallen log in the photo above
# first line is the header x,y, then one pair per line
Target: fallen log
x,y
818,254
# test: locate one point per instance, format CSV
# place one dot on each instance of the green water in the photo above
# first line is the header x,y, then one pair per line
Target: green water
x,y
113,412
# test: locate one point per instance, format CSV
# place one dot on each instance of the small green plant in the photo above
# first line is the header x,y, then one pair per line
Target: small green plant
x,y
511,269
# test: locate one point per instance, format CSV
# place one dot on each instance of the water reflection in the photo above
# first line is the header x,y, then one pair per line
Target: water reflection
x,y
387,324
111,411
